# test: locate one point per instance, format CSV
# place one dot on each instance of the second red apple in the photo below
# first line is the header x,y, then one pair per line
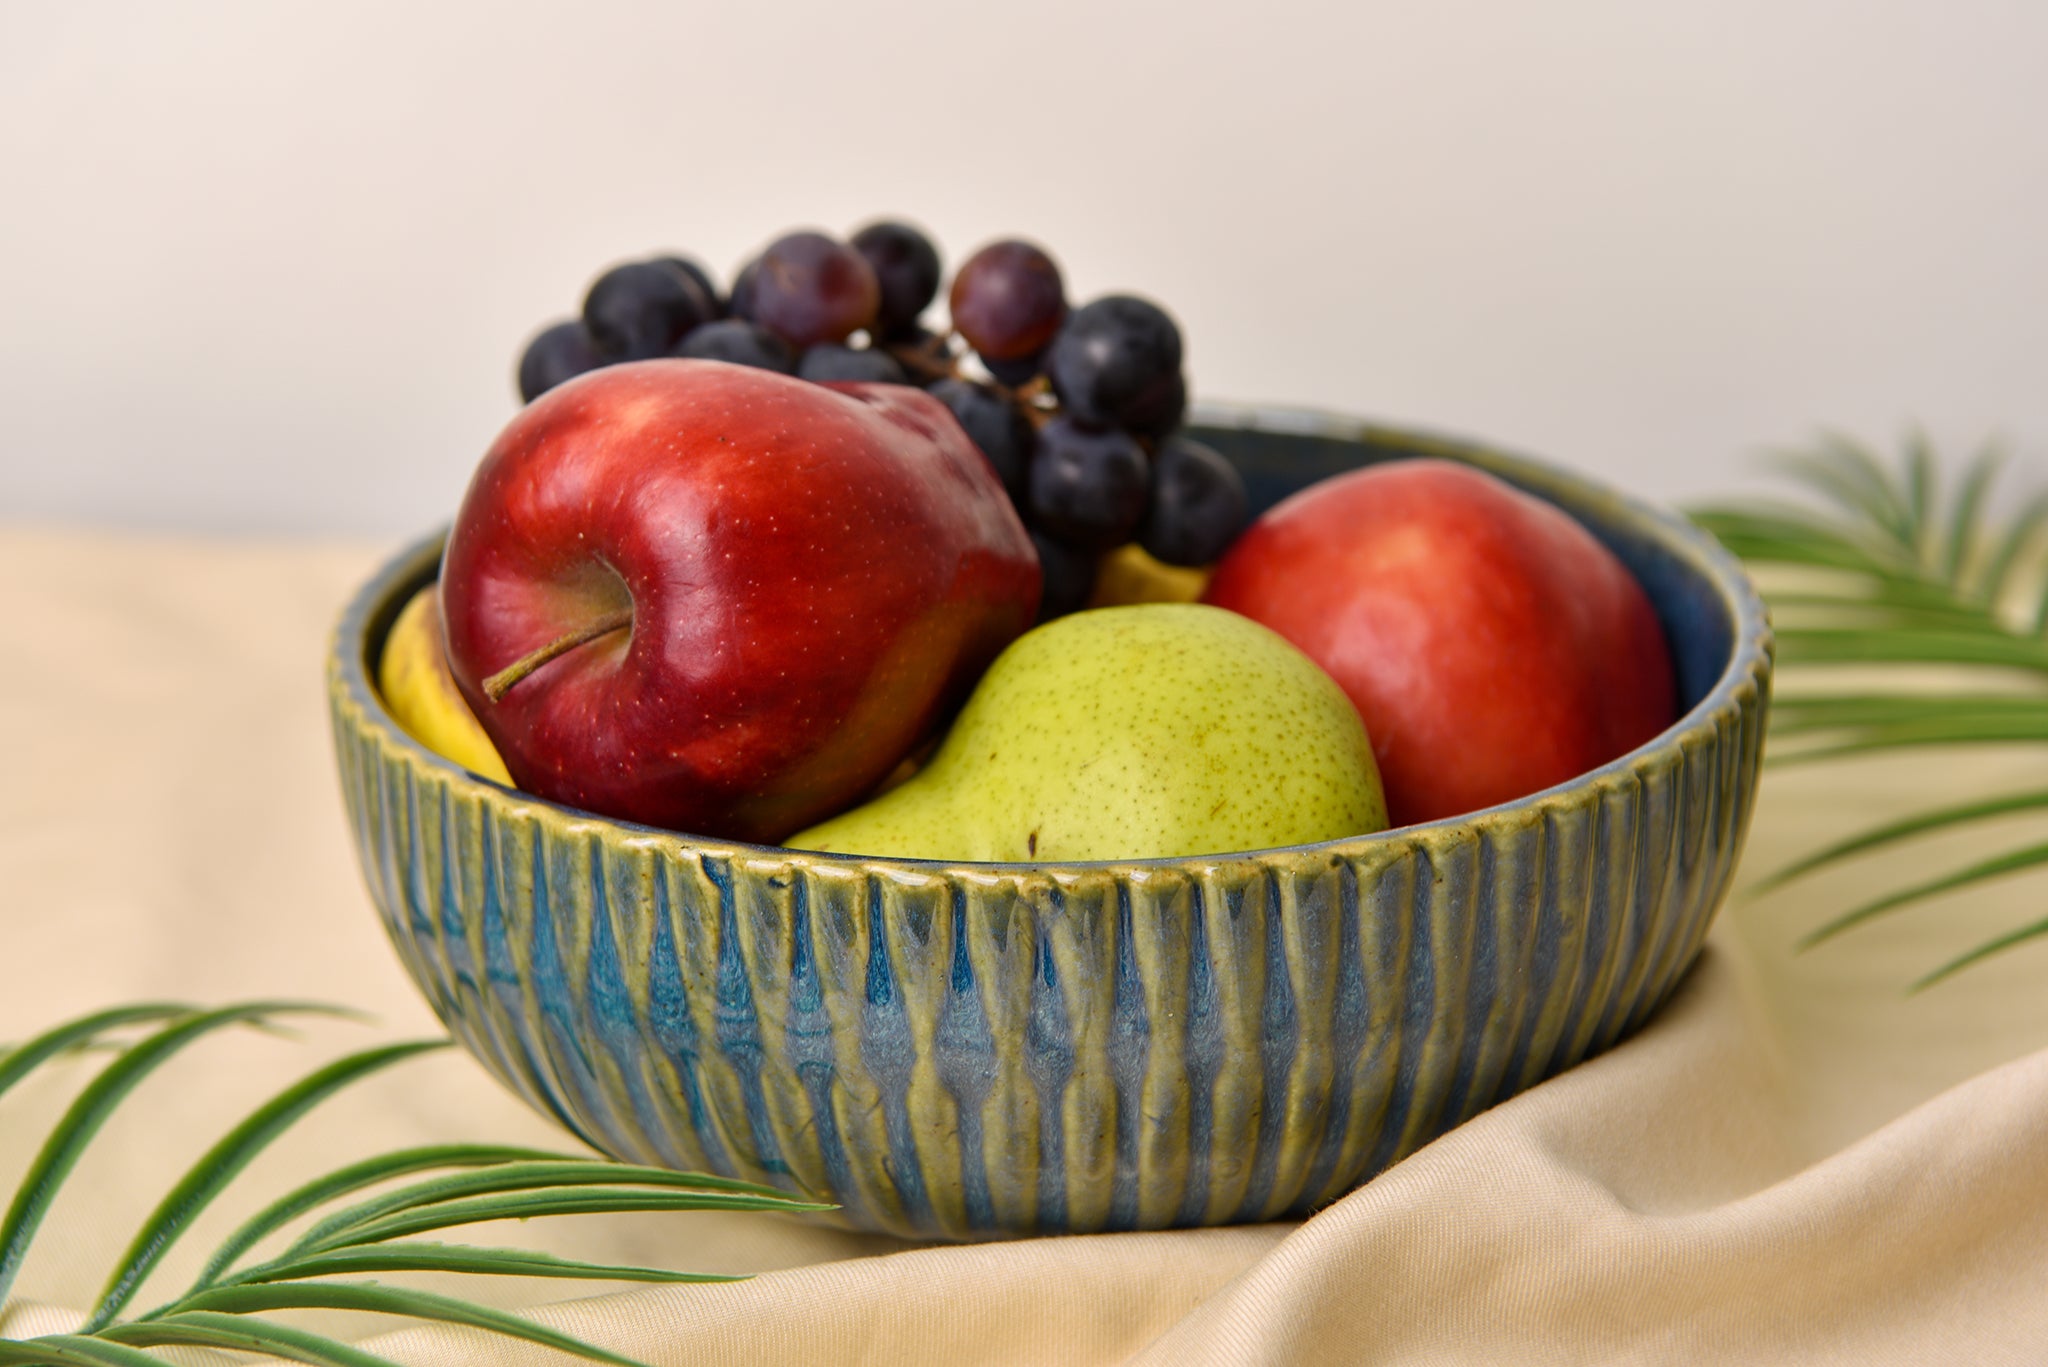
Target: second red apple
x,y
1492,644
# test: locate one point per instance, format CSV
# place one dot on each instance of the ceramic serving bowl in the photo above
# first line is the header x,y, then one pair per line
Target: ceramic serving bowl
x,y
963,1050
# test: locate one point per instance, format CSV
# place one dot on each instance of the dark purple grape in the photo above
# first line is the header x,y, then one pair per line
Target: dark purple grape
x,y
994,425
1015,374
714,306
906,267
1198,504
740,342
740,303
1086,486
1116,363
1067,576
812,289
640,310
557,353
1160,411
832,361
1008,300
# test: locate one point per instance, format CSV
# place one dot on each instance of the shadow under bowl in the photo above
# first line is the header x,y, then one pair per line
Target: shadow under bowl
x,y
974,1050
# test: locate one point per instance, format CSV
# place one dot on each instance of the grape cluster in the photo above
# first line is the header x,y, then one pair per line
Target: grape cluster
x,y
1077,410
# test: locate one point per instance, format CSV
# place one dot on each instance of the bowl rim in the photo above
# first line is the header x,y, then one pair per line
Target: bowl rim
x,y
1745,674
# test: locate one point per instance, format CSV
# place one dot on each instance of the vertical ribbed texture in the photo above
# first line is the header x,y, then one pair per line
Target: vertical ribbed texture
x,y
968,1051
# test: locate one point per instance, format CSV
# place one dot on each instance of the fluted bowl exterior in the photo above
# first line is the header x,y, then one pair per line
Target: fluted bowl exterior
x,y
966,1051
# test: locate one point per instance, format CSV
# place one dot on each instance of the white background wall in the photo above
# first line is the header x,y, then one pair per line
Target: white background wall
x,y
265,267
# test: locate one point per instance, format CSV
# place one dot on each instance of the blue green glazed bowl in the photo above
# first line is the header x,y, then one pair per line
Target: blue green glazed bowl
x,y
963,1051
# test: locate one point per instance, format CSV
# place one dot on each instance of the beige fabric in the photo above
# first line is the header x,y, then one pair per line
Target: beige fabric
x,y
1796,1163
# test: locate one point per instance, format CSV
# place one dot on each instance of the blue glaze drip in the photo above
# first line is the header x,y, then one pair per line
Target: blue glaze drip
x,y
1349,1025
890,1054
1203,1048
1130,1045
964,1056
1280,1034
1482,975
505,1002
1593,945
563,1047
736,1026
454,923
616,1026
418,915
1049,1061
1420,1010
811,1050
1545,955
675,1034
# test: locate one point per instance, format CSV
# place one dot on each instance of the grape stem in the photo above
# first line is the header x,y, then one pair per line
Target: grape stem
x,y
933,359
500,683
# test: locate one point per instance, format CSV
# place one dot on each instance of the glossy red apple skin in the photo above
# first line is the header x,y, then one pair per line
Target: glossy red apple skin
x,y
1492,645
816,574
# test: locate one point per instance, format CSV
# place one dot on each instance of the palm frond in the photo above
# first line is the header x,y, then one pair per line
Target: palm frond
x,y
234,1334
73,1350
1922,823
220,1164
435,1257
370,1298
2017,861
2004,567
1912,579
340,1229
1966,510
19,1061
75,1130
1848,473
225,1308
348,1180
2033,930
525,1205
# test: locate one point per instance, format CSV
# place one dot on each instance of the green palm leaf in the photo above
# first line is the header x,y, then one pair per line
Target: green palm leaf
x,y
1910,584
1965,524
2018,861
526,1205
212,1329
514,1177
21,1060
1920,824
223,1309
211,1174
72,1350
2007,561
433,1257
391,1300
2031,931
61,1151
354,1178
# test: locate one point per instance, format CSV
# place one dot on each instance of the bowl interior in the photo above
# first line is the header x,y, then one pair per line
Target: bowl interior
x,y
1713,620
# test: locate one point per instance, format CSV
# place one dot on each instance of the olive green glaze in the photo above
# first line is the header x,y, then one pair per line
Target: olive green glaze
x,y
966,1050
1161,729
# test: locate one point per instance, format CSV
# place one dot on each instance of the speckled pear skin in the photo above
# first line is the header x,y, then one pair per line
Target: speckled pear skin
x,y
1144,732
961,1051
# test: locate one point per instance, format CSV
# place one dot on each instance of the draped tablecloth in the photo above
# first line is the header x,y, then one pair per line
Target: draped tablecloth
x,y
1796,1162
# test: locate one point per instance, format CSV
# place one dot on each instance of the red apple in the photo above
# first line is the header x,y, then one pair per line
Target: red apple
x,y
1493,646
725,601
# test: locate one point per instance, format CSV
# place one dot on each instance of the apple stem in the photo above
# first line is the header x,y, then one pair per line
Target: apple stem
x,y
500,683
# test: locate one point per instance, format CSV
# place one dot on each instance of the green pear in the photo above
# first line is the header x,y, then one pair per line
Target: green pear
x,y
1142,732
